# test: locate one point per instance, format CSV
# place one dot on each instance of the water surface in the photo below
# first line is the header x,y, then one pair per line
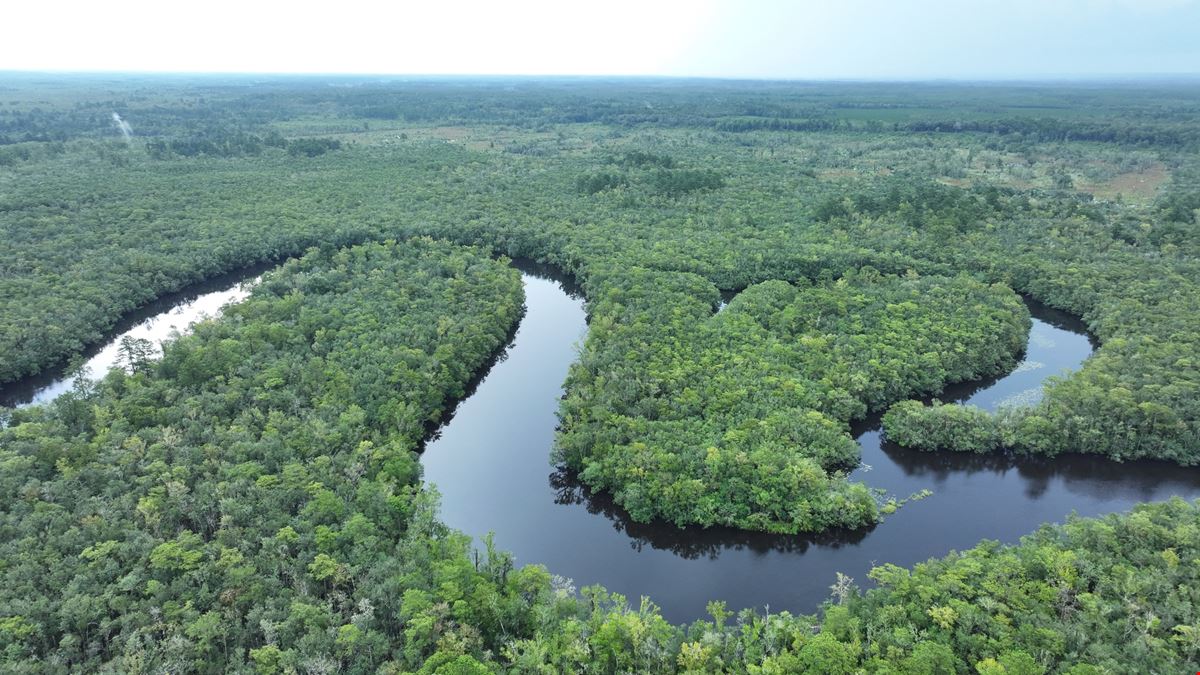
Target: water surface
x,y
155,322
491,464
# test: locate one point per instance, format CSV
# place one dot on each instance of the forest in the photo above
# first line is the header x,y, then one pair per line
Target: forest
x,y
764,264
692,435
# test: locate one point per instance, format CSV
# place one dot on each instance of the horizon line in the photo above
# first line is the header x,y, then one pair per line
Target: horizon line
x,y
932,79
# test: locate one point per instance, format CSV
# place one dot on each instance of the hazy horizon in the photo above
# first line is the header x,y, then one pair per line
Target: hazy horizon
x,y
858,40
1051,78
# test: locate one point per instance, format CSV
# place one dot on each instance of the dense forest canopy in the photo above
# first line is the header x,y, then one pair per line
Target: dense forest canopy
x,y
241,485
744,421
252,499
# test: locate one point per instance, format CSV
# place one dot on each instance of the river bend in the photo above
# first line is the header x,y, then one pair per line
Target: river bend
x,y
490,461
491,464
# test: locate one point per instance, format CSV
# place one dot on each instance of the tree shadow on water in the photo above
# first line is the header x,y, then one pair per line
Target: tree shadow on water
x,y
692,542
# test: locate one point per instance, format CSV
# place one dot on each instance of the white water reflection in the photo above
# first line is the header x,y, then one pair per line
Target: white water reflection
x,y
175,314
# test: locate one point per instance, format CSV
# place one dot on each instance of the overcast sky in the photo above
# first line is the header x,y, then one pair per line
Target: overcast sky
x,y
803,39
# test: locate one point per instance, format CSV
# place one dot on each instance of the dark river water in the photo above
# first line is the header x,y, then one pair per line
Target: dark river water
x,y
491,464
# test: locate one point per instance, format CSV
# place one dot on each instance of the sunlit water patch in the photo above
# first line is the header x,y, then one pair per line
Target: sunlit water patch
x,y
154,323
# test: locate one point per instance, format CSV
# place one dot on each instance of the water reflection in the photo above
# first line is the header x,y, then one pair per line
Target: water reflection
x,y
155,322
690,542
490,459
492,467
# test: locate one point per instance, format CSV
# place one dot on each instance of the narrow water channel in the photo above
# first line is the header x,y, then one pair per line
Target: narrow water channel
x,y
491,464
154,322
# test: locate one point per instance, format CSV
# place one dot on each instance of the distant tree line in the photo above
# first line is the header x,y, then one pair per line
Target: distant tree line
x,y
239,145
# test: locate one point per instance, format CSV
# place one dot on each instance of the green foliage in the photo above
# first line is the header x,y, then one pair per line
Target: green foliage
x,y
677,182
255,489
664,180
251,501
223,144
744,419
97,228
641,158
941,427
590,184
312,147
1089,593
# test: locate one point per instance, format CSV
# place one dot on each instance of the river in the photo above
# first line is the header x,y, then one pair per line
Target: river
x,y
491,464
155,322
490,461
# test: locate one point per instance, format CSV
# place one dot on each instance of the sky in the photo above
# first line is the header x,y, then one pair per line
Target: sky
x,y
774,39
